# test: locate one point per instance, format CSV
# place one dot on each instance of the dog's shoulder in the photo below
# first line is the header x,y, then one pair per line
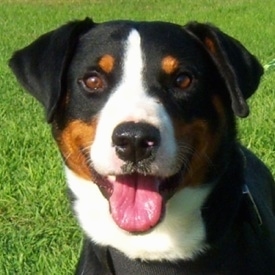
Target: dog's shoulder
x,y
259,178
259,197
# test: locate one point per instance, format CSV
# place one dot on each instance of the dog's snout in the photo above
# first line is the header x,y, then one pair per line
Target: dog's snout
x,y
135,141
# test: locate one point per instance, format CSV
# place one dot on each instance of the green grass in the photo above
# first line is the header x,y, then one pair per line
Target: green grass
x,y
38,234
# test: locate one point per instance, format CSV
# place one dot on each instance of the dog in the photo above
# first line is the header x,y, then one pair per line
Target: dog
x,y
144,116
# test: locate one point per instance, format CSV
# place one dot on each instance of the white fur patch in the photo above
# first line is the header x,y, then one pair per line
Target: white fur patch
x,y
180,235
130,102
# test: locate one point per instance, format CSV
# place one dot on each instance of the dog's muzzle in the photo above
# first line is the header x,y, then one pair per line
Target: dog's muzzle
x,y
137,195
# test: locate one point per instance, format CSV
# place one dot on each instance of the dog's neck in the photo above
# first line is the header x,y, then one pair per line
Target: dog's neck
x,y
228,192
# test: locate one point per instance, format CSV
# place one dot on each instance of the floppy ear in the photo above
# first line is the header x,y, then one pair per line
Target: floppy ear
x,y
41,67
240,70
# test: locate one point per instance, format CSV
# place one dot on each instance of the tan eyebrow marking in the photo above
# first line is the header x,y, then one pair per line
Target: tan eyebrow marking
x,y
169,64
106,63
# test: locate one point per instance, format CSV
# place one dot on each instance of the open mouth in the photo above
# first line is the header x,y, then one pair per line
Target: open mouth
x,y
137,201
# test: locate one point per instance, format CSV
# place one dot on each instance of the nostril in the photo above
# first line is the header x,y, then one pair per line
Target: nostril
x,y
135,141
120,141
123,146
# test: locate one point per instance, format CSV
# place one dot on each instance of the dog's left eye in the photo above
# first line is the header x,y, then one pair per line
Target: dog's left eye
x,y
183,81
93,82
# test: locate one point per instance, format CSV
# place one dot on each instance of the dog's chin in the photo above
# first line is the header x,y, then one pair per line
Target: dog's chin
x,y
137,201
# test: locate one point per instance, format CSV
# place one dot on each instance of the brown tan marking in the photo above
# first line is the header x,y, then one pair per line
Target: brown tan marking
x,y
169,64
210,45
74,143
218,104
197,137
106,63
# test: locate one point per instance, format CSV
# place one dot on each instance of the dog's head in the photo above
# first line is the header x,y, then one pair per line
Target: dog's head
x,y
140,109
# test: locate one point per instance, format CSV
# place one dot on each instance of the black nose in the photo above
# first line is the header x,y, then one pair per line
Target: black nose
x,y
135,141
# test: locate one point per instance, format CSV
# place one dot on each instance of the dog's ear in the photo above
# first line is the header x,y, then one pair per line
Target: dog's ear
x,y
41,67
240,70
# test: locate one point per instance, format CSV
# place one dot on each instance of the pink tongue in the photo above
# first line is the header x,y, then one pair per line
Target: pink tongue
x,y
136,204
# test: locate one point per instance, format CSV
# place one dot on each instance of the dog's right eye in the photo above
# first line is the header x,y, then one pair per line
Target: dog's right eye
x,y
93,82
183,81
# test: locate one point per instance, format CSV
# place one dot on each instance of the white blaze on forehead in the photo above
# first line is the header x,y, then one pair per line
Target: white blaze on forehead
x,y
133,63
130,101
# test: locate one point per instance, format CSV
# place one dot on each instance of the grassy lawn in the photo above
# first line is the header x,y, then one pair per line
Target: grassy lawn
x,y
38,234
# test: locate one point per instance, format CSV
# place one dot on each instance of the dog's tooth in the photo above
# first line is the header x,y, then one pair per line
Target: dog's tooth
x,y
111,178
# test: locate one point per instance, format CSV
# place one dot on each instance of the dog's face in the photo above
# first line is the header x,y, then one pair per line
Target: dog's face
x,y
142,119
141,111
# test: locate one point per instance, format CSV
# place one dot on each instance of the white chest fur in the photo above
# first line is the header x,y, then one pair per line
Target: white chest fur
x,y
180,235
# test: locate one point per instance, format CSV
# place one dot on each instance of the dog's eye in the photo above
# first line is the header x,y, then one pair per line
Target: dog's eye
x,y
183,81
93,82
